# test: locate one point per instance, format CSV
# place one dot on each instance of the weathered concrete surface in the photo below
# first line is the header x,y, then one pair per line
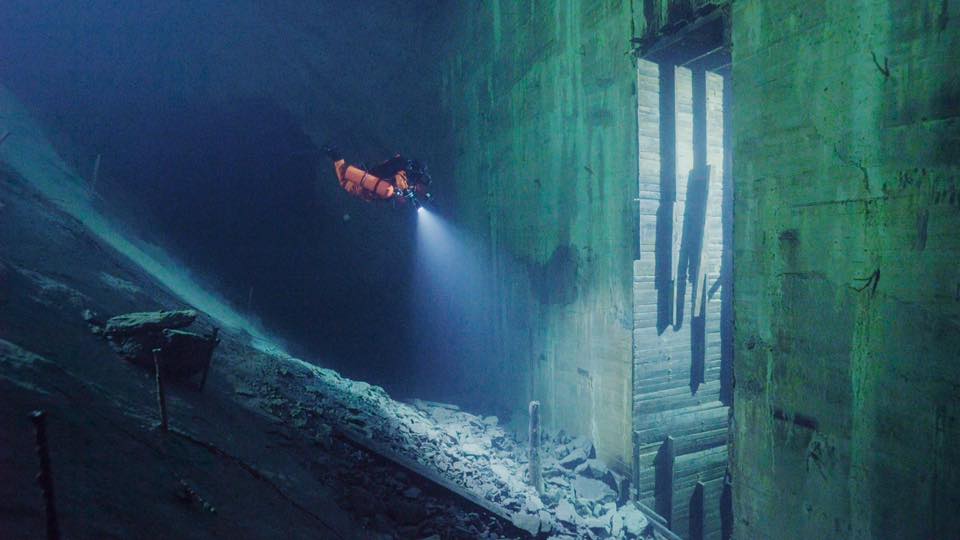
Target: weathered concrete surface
x,y
544,132
847,128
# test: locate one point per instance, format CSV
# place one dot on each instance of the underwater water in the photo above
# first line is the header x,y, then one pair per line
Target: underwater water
x,y
452,313
465,269
184,258
185,173
227,178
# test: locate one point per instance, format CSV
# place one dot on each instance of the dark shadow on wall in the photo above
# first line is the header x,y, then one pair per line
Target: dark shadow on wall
x,y
672,285
663,280
691,253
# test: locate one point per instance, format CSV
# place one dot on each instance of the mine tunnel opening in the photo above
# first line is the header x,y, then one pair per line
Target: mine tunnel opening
x,y
683,286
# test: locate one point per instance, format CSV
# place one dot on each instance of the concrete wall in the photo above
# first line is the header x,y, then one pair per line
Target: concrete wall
x,y
847,409
544,134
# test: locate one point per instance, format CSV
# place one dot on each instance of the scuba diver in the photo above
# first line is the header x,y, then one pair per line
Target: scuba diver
x,y
397,179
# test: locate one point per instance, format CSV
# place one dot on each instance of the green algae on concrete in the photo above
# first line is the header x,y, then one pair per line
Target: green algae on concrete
x,y
846,135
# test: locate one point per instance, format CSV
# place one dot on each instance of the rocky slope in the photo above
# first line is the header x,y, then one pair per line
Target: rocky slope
x,y
260,452
115,474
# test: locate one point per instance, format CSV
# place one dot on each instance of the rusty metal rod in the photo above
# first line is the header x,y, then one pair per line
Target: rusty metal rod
x,y
161,397
45,476
214,340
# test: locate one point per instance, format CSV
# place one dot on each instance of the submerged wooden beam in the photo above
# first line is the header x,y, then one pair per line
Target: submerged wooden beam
x,y
697,512
659,524
663,480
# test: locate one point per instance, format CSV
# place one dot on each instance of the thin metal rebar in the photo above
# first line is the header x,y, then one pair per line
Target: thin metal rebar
x,y
214,340
45,476
161,397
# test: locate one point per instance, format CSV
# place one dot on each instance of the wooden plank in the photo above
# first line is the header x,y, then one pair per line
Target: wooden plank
x,y
695,424
659,524
685,510
687,513
702,466
699,462
712,518
705,417
663,484
680,398
658,385
645,474
697,514
670,393
702,440
680,418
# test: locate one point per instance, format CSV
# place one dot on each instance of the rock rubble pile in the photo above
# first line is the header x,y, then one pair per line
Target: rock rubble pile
x,y
582,497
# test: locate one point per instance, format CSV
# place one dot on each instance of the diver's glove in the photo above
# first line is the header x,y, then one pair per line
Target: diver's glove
x,y
332,151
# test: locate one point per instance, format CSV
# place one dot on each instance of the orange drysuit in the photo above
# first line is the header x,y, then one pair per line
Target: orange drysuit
x,y
366,186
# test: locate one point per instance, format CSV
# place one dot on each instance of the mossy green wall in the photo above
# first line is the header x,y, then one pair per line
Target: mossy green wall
x,y
847,129
543,136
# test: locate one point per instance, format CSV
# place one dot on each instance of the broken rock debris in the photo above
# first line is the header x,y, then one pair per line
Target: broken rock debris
x,y
580,499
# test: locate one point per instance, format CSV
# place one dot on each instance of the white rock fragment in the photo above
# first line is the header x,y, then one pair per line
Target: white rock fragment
x,y
527,522
633,521
574,458
616,525
593,491
592,468
472,449
566,513
533,504
546,521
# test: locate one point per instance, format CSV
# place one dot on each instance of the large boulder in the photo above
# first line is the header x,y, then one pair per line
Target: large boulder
x,y
134,336
148,322
185,353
